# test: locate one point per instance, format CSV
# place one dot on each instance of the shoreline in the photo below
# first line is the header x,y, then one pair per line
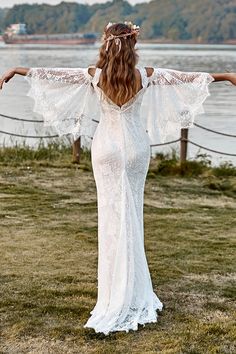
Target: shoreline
x,y
230,42
191,42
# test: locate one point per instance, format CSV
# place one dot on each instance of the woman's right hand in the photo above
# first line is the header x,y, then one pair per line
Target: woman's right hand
x,y
7,77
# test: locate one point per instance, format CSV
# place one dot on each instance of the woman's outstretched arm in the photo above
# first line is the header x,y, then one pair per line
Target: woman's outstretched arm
x,y
225,77
67,76
174,77
11,73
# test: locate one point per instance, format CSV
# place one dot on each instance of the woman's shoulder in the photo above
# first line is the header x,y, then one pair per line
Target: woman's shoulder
x,y
91,70
149,70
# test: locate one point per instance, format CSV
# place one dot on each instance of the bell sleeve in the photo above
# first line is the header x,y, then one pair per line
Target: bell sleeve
x,y
66,100
172,101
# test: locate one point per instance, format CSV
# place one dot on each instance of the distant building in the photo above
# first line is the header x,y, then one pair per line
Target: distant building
x,y
17,28
17,34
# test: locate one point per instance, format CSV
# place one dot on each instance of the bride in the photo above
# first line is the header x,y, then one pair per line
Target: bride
x,y
119,109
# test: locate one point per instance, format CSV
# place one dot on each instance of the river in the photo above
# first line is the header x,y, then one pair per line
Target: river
x,y
220,106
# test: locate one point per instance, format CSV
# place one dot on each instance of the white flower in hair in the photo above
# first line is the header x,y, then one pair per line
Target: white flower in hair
x,y
131,25
109,25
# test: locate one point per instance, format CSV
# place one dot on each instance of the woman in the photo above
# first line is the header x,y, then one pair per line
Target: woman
x,y
134,108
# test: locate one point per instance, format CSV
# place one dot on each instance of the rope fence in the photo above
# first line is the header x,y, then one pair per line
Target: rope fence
x,y
76,148
21,119
167,143
214,131
205,148
30,136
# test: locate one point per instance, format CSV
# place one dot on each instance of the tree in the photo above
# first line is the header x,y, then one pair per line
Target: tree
x,y
203,20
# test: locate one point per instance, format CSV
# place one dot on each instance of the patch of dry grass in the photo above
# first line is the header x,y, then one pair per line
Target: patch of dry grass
x,y
48,262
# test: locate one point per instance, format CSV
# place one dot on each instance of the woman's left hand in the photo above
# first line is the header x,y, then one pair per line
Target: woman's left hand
x,y
232,78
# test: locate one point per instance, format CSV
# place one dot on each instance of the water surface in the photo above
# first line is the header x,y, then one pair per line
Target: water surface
x,y
220,107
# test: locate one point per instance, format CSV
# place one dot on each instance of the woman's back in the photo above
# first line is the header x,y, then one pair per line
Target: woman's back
x,y
138,82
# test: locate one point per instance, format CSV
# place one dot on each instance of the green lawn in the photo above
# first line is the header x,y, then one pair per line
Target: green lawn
x,y
48,261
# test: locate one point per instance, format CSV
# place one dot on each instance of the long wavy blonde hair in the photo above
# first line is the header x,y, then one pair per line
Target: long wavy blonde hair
x,y
118,79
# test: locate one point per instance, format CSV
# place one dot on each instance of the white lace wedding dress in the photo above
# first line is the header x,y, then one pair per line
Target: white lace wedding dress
x,y
119,138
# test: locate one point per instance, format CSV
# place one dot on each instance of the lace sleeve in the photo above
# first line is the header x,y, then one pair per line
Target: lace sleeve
x,y
173,100
66,100
60,75
174,77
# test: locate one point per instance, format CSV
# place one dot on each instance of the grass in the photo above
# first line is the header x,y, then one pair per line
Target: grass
x,y
48,256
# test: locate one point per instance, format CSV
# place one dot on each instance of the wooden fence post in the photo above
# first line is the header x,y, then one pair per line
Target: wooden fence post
x,y
76,151
183,145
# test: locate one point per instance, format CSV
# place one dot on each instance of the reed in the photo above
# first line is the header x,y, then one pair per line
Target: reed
x,y
60,154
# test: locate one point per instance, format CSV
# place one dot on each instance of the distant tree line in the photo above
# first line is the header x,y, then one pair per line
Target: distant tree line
x,y
3,13
209,21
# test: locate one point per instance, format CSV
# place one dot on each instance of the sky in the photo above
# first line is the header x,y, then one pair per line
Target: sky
x,y
10,3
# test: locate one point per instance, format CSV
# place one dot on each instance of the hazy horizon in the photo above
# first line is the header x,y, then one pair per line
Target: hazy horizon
x,y
10,3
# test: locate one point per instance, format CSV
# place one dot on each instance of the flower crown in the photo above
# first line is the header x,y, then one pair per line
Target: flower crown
x,y
127,23
134,30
